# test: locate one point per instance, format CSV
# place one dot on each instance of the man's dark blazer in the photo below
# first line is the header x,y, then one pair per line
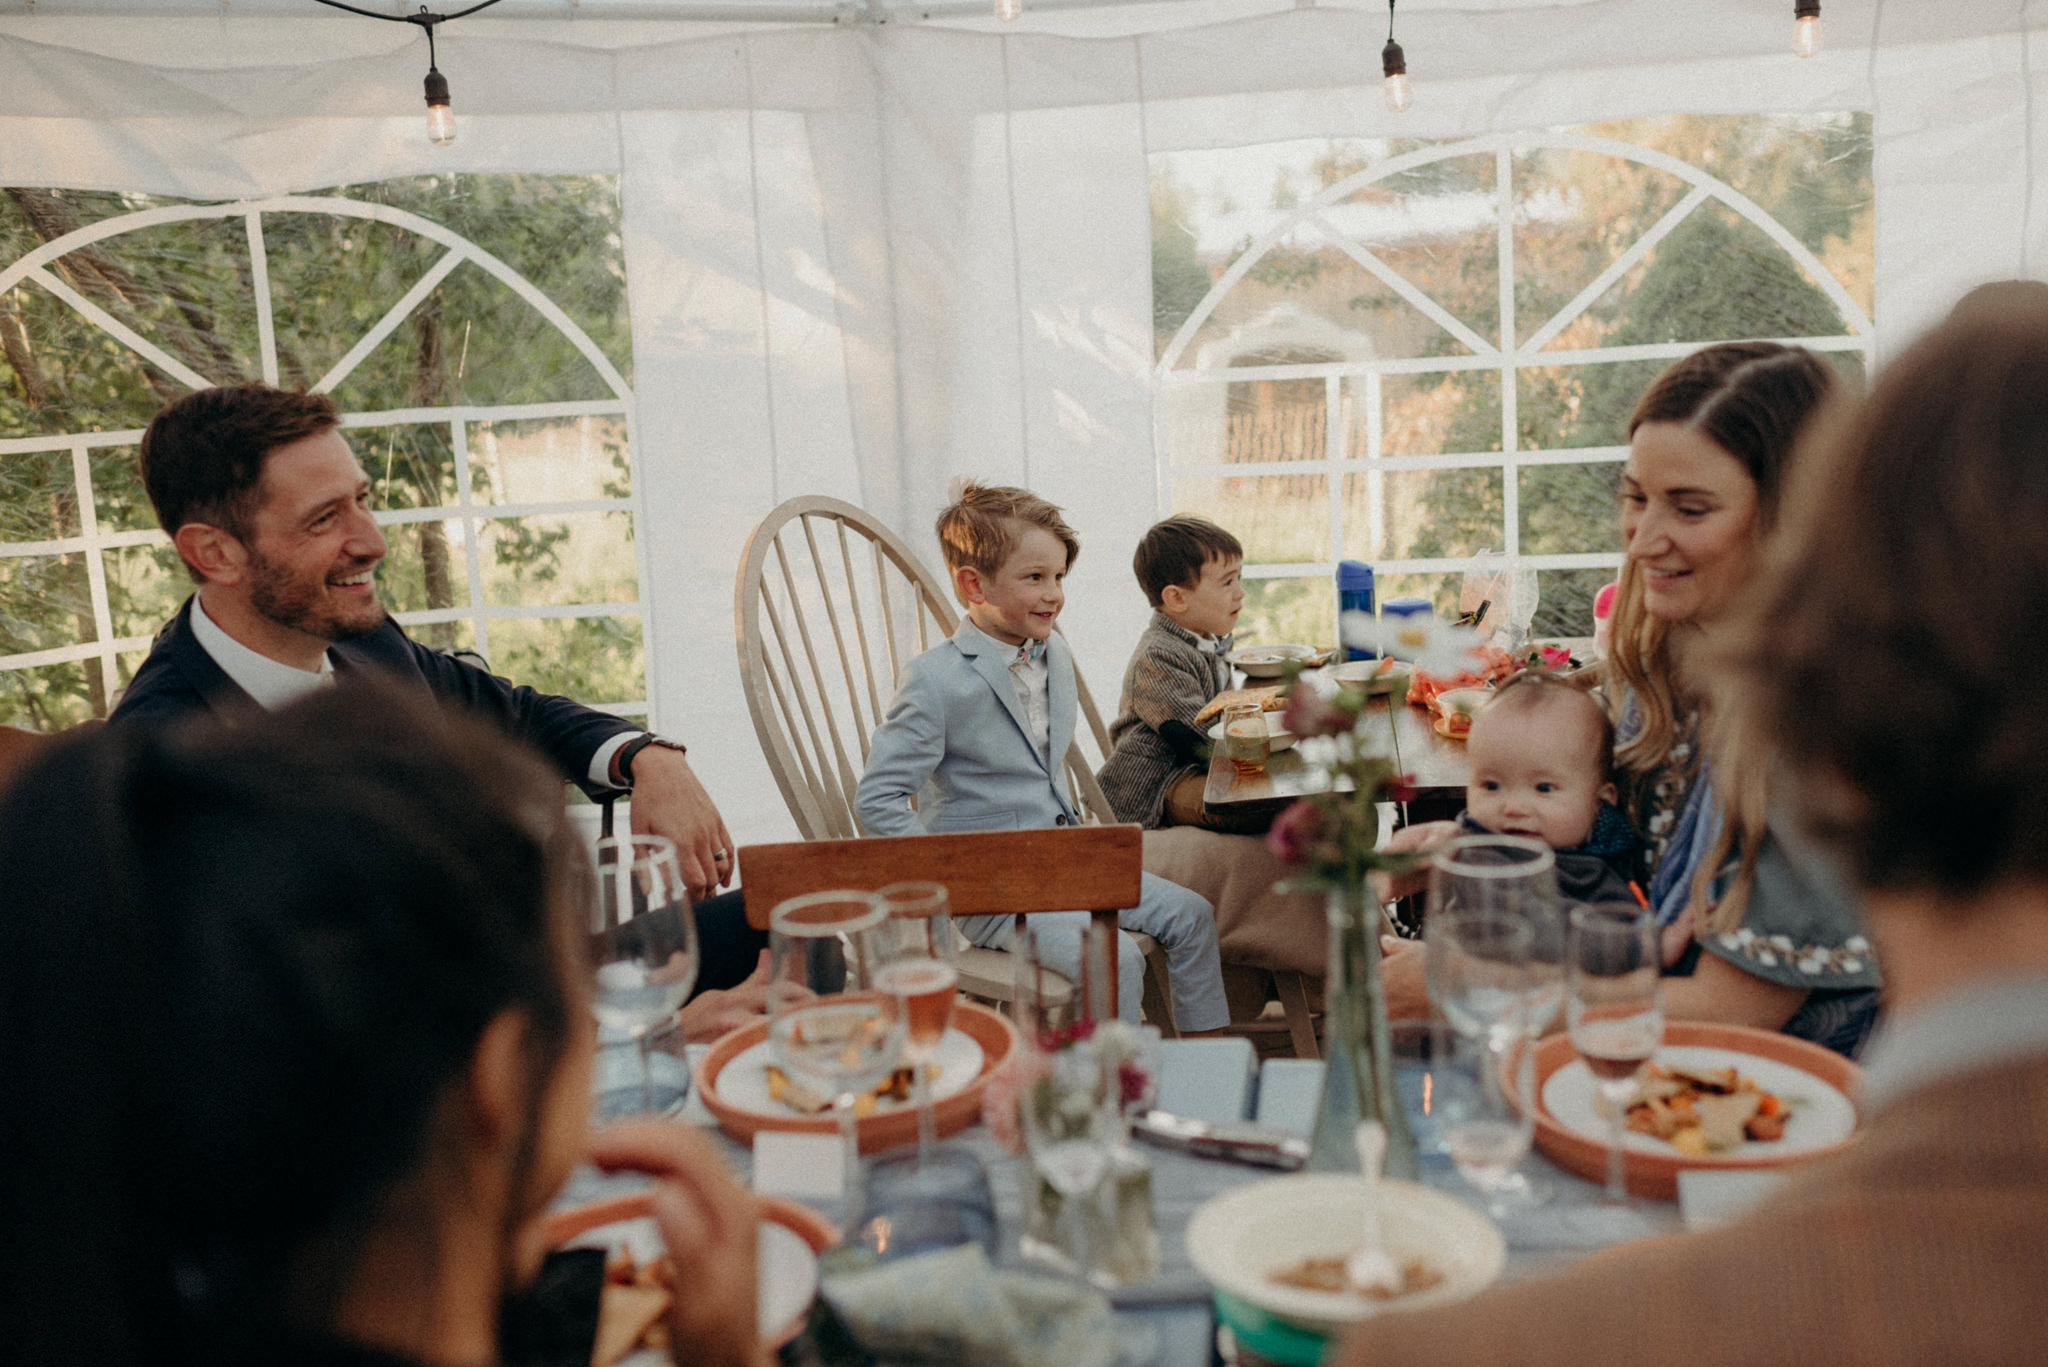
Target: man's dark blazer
x,y
179,679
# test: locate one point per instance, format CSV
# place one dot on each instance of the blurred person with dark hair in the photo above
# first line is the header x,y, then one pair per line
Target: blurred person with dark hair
x,y
271,513
1885,658
290,1071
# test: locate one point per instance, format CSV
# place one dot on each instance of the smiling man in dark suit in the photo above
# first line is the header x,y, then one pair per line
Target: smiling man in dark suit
x,y
271,513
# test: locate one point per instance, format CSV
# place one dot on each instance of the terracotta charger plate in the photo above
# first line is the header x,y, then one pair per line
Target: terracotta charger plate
x,y
885,1129
789,1276
1819,1084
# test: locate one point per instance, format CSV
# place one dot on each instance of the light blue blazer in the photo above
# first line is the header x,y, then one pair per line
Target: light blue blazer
x,y
957,739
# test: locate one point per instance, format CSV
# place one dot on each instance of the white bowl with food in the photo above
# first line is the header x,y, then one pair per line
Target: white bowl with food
x,y
1269,662
1258,1242
1373,676
1278,737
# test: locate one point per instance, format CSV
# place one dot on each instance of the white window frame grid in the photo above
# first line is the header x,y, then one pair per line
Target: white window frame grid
x,y
1506,361
458,419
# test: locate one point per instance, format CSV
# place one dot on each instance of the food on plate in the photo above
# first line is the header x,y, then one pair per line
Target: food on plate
x,y
793,1094
1328,1274
1493,665
632,1313
1454,725
1270,698
1705,1110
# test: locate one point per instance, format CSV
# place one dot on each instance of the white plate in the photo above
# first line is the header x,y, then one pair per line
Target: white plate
x,y
787,1282
1366,674
1266,662
1821,1115
1277,738
1238,1240
744,1081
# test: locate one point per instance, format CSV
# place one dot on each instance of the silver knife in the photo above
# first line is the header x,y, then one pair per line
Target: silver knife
x,y
1240,1142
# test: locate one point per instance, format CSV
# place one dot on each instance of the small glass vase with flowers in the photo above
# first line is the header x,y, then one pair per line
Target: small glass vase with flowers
x,y
1331,840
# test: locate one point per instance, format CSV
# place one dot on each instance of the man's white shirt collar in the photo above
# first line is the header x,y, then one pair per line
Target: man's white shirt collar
x,y
269,682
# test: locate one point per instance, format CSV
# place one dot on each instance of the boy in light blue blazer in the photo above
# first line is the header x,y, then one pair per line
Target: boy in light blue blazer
x,y
979,726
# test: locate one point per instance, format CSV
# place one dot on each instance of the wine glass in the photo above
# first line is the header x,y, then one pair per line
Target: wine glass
x,y
1615,1008
1485,1130
644,949
924,971
1070,1124
1515,876
830,1027
1476,964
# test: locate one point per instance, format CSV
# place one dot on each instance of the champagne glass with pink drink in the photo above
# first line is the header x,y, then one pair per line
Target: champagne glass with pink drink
x,y
923,972
1615,1009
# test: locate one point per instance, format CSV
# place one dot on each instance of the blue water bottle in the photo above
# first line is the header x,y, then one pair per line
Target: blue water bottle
x,y
1354,594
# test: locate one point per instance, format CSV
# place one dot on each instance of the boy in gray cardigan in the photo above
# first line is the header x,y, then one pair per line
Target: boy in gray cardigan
x,y
1190,570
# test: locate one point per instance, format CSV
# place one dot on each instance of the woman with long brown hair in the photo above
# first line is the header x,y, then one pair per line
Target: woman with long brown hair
x,y
1754,933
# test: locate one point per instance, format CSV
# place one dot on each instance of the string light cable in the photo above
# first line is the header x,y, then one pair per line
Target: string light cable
x,y
440,108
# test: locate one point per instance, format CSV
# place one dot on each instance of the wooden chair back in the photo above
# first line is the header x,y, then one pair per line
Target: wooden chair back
x,y
1095,869
831,606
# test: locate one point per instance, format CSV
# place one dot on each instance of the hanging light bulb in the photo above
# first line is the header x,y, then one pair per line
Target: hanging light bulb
x,y
1394,66
1008,10
440,113
1399,95
1806,27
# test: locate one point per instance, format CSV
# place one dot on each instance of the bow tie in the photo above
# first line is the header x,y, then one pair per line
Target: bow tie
x,y
1215,645
1028,653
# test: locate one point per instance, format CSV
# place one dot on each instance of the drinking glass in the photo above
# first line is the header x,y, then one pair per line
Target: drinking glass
x,y
643,950
924,971
830,1027
1614,1005
1246,741
1515,876
1476,963
1070,1124
1484,1126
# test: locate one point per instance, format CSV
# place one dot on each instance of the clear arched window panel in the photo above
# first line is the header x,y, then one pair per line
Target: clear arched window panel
x,y
1412,352
474,332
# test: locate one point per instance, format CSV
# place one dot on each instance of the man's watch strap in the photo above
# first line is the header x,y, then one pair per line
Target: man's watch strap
x,y
640,742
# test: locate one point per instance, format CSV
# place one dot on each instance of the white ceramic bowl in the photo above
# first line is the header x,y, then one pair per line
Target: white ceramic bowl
x,y
1278,738
1369,675
1466,700
1239,1239
1266,662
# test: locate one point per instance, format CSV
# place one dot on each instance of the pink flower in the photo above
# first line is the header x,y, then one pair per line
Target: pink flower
x,y
1003,1099
1294,833
1073,1032
1309,713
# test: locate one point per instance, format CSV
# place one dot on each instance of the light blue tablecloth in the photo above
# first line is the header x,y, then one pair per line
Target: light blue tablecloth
x,y
1217,1080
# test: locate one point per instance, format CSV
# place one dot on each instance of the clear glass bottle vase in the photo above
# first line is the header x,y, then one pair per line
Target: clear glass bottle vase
x,y
1358,1074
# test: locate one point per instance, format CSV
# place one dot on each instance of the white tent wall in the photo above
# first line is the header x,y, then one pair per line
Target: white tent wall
x,y
863,260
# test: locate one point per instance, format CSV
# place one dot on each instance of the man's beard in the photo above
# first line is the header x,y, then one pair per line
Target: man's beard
x,y
289,600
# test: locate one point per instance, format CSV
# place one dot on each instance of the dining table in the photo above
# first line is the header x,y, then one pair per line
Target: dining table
x,y
1437,767
1216,1080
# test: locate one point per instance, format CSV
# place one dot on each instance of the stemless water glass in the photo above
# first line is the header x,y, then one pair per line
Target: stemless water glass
x,y
644,948
1615,1009
924,972
830,1027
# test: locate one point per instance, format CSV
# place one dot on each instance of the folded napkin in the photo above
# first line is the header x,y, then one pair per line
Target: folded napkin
x,y
951,1306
